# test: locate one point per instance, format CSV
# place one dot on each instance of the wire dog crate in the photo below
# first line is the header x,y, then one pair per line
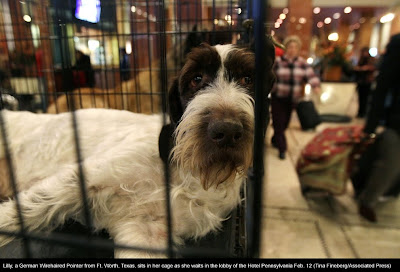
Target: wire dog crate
x,y
60,56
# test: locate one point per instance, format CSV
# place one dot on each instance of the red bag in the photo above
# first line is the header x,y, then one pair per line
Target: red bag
x,y
326,161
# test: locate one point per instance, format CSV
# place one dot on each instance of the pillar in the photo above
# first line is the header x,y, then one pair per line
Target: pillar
x,y
298,11
366,26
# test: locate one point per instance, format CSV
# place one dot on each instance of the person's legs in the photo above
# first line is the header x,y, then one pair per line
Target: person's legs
x,y
384,172
281,109
363,94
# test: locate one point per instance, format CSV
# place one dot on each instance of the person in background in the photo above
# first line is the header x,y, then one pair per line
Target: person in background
x,y
364,72
292,73
279,51
83,71
124,65
41,79
385,105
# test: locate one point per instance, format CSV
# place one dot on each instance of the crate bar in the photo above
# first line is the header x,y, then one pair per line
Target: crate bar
x,y
164,90
136,63
253,220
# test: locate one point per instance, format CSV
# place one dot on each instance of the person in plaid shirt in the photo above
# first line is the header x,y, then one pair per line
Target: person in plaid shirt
x,y
292,73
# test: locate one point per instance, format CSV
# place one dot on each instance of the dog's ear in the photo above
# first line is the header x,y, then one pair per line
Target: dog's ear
x,y
166,142
175,108
193,40
269,48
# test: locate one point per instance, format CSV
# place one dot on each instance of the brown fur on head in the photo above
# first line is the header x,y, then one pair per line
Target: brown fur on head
x,y
216,85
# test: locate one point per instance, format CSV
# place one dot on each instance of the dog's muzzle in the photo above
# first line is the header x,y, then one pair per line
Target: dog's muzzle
x,y
225,132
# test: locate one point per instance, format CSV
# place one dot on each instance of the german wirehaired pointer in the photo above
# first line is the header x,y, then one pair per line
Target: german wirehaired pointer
x,y
211,107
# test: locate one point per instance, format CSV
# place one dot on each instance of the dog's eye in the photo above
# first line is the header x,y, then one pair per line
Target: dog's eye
x,y
196,80
246,81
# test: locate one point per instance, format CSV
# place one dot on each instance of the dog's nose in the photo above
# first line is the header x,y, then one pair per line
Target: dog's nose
x,y
225,132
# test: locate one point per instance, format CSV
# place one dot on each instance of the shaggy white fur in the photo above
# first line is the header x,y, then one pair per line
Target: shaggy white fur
x,y
123,171
123,174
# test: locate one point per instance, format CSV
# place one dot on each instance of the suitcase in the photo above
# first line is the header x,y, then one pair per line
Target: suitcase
x,y
308,115
325,163
334,118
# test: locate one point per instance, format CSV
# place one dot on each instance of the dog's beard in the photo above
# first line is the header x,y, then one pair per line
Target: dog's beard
x,y
196,153
216,173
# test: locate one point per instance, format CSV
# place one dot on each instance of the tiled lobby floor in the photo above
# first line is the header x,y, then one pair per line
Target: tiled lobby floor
x,y
295,227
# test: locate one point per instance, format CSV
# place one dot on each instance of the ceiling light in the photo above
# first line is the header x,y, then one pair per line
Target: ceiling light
x,y
302,20
373,51
282,16
387,18
285,11
27,18
327,20
333,37
320,24
347,9
336,15
316,10
133,9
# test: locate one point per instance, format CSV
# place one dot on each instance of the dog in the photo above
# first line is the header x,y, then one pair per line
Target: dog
x,y
140,93
211,109
136,95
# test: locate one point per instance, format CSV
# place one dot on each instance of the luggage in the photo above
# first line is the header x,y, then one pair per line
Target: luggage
x,y
326,161
308,115
334,118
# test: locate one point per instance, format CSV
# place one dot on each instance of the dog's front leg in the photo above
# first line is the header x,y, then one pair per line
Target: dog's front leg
x,y
147,235
44,206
